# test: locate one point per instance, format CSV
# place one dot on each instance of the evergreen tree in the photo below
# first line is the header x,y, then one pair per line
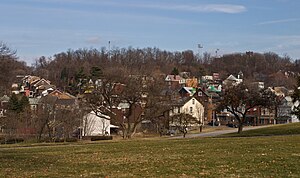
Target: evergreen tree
x,y
14,104
18,105
96,73
175,71
23,103
80,75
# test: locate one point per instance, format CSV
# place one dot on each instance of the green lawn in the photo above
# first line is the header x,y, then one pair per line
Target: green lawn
x,y
280,129
277,156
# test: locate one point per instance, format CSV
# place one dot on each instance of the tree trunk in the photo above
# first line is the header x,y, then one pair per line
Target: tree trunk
x,y
240,129
40,133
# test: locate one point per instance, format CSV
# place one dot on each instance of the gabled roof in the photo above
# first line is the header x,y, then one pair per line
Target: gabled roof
x,y
54,98
61,95
182,101
200,89
232,78
189,90
31,79
41,82
4,98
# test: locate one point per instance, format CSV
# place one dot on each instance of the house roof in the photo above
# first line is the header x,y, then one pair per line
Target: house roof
x,y
281,91
4,98
41,82
46,87
52,99
232,78
182,101
173,78
31,79
189,90
199,89
61,95
123,105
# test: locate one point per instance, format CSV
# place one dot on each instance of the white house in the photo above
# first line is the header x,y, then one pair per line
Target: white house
x,y
94,125
175,78
232,80
189,106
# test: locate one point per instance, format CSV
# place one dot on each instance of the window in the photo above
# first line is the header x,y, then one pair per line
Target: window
x,y
193,101
191,109
199,93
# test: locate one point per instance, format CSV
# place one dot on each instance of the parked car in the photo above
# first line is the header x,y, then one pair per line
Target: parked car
x,y
215,123
171,132
232,124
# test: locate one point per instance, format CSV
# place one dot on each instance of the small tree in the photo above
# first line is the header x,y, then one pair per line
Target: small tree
x,y
14,104
238,100
183,121
175,71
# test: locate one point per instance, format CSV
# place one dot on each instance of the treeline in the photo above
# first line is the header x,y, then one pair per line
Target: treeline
x,y
270,68
66,68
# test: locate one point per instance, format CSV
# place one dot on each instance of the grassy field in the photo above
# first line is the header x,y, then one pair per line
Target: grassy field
x,y
277,156
280,129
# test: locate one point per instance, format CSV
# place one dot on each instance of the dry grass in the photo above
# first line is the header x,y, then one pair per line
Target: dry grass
x,y
206,157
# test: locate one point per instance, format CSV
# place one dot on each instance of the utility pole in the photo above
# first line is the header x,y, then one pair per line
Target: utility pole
x,y
109,50
217,53
199,48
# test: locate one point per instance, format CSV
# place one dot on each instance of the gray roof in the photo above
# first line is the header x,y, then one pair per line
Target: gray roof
x,y
4,98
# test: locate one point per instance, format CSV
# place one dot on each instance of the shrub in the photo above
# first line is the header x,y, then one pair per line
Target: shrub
x,y
95,138
11,140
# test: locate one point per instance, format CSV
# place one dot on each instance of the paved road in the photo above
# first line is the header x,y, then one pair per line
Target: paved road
x,y
219,132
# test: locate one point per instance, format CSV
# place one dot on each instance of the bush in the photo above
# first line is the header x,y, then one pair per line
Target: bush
x,y
11,140
71,140
95,138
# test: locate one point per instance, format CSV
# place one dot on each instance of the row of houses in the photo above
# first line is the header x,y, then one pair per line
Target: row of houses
x,y
207,91
190,95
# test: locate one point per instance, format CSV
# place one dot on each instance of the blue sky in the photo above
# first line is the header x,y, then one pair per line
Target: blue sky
x,y
46,27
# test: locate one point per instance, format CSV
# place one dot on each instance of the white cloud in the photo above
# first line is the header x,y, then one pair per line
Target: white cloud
x,y
279,21
225,8
221,8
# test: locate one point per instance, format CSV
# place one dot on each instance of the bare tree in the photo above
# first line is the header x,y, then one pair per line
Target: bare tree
x,y
44,117
238,100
